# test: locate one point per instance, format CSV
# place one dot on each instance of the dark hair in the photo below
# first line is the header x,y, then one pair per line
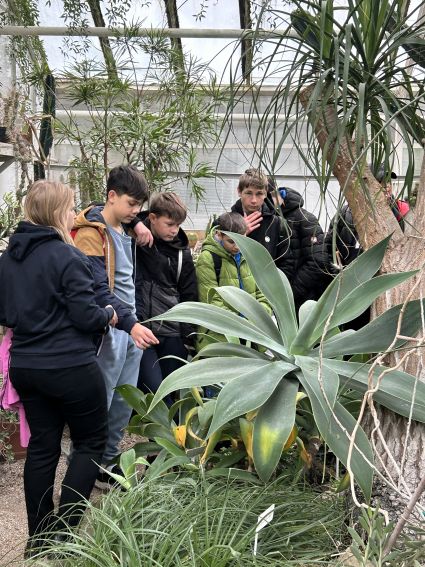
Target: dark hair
x,y
252,178
232,222
127,180
170,205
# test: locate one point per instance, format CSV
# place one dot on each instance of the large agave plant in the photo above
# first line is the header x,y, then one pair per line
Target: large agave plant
x,y
304,356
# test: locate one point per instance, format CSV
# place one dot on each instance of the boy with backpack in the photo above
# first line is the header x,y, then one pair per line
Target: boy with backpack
x,y
99,233
165,276
220,263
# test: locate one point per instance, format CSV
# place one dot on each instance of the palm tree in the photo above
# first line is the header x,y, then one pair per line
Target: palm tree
x,y
350,79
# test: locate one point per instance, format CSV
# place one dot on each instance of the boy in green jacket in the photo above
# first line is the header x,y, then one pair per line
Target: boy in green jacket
x,y
220,263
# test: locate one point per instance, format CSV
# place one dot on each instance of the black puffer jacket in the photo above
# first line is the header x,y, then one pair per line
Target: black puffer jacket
x,y
346,238
273,234
157,286
312,261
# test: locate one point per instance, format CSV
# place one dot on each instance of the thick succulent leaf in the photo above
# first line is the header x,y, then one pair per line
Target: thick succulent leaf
x,y
210,371
361,270
272,427
364,295
305,310
230,349
272,282
244,303
362,459
323,381
396,389
335,425
221,321
379,334
247,392
246,428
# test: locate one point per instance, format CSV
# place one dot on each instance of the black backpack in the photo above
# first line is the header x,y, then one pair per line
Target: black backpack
x,y
217,265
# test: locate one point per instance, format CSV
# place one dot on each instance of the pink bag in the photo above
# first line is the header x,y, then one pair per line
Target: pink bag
x,y
9,397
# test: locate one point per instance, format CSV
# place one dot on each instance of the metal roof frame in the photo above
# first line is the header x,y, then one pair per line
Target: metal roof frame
x,y
27,31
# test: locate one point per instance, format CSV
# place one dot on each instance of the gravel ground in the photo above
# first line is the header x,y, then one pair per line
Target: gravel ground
x,y
13,518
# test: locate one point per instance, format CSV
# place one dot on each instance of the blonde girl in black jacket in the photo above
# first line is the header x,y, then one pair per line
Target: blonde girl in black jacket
x,y
47,298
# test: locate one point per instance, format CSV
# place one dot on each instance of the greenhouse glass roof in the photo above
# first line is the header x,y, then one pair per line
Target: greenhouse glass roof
x,y
220,55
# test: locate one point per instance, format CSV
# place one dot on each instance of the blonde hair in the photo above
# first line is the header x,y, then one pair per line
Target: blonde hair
x,y
48,203
253,178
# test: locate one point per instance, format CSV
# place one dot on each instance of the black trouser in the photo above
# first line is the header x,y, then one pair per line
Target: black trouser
x,y
153,371
52,398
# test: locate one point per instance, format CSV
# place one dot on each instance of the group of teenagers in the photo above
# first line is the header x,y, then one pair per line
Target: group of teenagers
x,y
74,289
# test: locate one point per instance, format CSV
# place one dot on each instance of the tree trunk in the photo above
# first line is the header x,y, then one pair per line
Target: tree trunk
x,y
173,22
105,45
246,44
374,220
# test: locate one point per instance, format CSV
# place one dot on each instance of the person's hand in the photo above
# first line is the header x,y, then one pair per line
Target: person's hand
x,y
114,319
143,337
252,221
144,236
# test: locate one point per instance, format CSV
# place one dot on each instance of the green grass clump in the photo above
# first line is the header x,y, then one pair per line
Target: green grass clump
x,y
183,522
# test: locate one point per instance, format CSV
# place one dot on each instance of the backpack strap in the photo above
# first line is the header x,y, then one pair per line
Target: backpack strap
x,y
217,259
179,264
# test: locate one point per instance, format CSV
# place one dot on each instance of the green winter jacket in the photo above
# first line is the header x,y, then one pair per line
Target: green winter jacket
x,y
229,275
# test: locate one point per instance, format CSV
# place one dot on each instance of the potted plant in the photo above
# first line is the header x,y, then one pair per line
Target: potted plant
x,y
192,238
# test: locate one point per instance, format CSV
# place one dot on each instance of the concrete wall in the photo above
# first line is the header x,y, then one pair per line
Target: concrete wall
x,y
229,158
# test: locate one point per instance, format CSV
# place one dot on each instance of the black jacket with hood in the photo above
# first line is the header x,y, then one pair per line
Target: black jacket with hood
x,y
158,285
273,234
47,299
307,241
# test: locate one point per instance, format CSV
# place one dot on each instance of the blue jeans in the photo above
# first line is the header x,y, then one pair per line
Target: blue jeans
x,y
153,370
119,361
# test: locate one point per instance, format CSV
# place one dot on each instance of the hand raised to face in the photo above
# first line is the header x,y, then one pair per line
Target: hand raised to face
x,y
253,221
